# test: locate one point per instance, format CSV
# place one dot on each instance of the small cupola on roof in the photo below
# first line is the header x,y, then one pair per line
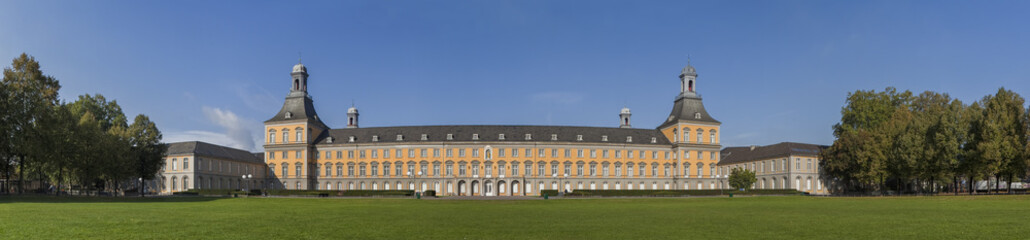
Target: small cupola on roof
x,y
299,68
352,117
300,79
624,118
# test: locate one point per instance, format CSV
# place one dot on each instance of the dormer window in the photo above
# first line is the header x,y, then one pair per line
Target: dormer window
x,y
579,137
697,115
400,137
375,138
425,137
554,137
529,136
629,138
450,136
500,136
654,140
289,115
352,139
329,140
604,138
475,136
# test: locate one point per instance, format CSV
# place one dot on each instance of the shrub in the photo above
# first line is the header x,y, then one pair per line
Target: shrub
x,y
429,193
215,192
346,193
552,193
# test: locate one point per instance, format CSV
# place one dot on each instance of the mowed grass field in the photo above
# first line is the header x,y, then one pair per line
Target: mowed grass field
x,y
791,217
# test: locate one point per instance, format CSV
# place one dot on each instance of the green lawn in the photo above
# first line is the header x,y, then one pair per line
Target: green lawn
x,y
990,217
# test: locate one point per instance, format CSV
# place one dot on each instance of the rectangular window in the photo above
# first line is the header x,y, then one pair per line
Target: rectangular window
x,y
500,152
593,170
283,154
797,163
579,170
450,152
461,169
450,169
386,170
298,155
361,172
375,170
271,155
386,153
568,153
699,156
298,168
618,154
711,156
540,152
350,171
515,169
436,169
350,154
654,154
475,152
666,155
554,169
593,153
361,154
604,153
514,152
461,152
540,169
529,152
398,153
579,153
654,170
339,170
554,153
604,171
375,153
423,153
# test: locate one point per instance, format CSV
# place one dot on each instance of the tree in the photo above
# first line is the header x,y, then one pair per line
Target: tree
x,y
857,157
742,178
31,96
146,147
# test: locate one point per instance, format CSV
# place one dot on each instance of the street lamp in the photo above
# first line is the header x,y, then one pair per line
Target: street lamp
x,y
245,177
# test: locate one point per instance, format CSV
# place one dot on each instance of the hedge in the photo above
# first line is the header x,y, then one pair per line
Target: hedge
x,y
211,192
668,193
429,193
347,193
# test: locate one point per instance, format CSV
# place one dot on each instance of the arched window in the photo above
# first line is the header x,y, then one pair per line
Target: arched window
x,y
185,163
175,164
286,136
699,133
185,183
297,170
300,135
271,136
700,169
175,184
685,137
711,136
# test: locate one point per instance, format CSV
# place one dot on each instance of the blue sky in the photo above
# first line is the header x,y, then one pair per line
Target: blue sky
x,y
771,71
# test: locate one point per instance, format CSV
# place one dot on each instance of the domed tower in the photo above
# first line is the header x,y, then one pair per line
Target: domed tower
x,y
693,132
352,117
624,118
290,137
688,77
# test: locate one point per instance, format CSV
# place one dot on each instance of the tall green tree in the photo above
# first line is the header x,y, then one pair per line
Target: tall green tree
x,y
31,97
859,153
1000,136
146,148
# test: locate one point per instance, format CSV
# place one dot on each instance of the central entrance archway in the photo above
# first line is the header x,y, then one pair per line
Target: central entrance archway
x,y
473,191
462,188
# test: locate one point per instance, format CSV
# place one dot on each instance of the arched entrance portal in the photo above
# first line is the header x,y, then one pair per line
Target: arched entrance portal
x,y
473,190
462,188
515,188
502,188
489,188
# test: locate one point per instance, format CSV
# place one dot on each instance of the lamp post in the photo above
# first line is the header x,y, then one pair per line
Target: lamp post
x,y
245,177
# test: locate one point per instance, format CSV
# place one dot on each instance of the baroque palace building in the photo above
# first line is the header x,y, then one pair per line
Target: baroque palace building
x,y
302,152
779,166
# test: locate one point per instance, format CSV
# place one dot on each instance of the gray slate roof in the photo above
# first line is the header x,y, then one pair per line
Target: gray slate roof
x,y
216,151
566,134
732,155
300,106
684,109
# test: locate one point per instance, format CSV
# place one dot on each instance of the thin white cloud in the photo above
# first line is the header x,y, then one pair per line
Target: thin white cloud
x,y
236,128
256,98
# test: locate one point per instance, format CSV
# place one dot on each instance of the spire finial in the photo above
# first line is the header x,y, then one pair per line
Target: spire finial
x,y
688,59
299,57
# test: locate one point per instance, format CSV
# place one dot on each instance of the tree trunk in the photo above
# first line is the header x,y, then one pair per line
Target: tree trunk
x,y
21,175
997,182
1008,186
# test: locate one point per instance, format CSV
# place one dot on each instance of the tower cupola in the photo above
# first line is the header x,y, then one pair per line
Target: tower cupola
x,y
624,118
352,117
300,78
